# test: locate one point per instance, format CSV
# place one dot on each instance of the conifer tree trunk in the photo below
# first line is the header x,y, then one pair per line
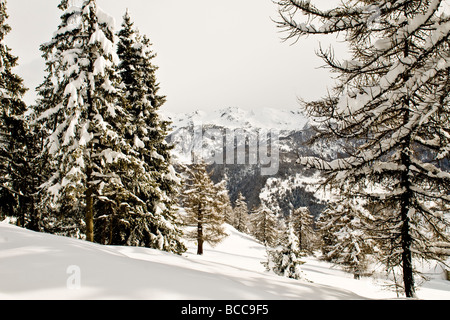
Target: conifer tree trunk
x,y
300,238
406,239
89,210
200,232
408,277
89,193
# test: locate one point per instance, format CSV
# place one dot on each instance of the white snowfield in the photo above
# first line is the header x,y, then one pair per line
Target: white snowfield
x,y
41,267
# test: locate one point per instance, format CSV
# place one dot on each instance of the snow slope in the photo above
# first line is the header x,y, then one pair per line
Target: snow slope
x,y
38,266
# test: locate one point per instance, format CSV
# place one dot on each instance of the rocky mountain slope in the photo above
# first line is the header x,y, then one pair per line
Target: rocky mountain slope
x,y
256,151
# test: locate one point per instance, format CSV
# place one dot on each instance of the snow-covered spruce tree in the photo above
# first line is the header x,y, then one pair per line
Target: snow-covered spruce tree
x,y
202,208
241,215
264,226
82,116
146,132
346,241
392,104
303,224
285,260
15,173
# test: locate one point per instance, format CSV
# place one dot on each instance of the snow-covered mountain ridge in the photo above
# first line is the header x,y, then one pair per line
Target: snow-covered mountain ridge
x,y
234,117
189,135
291,127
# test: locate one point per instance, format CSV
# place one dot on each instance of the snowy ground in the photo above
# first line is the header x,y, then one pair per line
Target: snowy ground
x,y
41,266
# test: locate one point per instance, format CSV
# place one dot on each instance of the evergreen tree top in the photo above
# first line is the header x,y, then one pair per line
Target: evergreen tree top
x,y
63,5
241,203
127,24
11,85
4,28
137,68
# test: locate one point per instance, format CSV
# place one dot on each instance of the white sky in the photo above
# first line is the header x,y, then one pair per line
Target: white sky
x,y
211,54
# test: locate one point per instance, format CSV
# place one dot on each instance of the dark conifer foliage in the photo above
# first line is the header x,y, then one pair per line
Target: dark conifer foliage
x,y
146,133
15,137
109,178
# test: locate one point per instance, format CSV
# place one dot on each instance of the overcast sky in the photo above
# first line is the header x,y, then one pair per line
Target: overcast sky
x,y
211,54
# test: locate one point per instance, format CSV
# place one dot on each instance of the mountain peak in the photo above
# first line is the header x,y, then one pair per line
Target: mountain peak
x,y
235,117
